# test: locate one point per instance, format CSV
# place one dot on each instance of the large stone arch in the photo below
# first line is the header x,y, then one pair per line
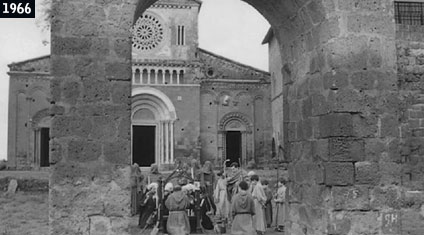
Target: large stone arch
x,y
320,41
145,100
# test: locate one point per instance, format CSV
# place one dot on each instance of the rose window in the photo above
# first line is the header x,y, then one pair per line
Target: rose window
x,y
147,33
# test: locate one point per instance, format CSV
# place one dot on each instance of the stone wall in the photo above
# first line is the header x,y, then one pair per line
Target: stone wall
x,y
409,197
91,91
341,118
28,106
340,115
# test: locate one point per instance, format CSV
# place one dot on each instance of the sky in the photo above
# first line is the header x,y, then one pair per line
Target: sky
x,y
230,28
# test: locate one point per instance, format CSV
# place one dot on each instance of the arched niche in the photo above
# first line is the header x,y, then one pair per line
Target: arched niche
x,y
151,108
235,131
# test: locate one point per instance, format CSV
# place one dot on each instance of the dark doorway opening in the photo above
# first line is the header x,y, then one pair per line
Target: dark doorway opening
x,y
143,145
233,147
44,147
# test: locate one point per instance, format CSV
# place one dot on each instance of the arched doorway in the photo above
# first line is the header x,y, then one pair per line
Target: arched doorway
x,y
152,127
235,133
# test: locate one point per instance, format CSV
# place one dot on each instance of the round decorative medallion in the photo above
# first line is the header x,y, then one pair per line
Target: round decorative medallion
x,y
147,33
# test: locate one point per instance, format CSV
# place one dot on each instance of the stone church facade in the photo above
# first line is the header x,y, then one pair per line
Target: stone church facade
x,y
186,102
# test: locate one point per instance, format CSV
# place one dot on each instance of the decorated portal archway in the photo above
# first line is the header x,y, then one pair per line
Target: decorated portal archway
x,y
152,112
235,129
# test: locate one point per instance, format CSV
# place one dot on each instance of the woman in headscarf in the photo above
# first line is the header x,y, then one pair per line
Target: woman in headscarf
x,y
207,177
148,206
169,188
177,203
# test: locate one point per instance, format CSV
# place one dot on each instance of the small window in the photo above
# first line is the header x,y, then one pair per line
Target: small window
x,y
410,13
180,35
44,147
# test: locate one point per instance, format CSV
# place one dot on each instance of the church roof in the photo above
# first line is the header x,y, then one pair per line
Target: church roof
x,y
35,65
225,68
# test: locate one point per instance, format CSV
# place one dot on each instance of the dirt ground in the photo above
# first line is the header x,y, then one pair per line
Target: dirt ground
x,y
25,213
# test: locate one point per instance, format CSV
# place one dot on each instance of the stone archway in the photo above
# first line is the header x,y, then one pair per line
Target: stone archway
x,y
327,49
151,107
236,122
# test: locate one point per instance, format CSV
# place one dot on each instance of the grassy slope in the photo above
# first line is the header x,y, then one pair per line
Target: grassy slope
x,y
25,213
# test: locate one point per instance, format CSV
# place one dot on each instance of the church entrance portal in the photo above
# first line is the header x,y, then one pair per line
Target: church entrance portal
x,y
143,146
233,150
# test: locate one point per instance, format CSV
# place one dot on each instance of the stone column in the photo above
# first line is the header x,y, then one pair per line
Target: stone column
x,y
166,142
90,138
171,139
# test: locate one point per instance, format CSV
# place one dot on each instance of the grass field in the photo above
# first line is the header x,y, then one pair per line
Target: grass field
x,y
25,213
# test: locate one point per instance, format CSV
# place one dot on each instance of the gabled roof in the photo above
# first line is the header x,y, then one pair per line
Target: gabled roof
x,y
36,65
269,35
229,69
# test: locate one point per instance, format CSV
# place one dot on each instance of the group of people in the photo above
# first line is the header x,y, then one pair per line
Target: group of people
x,y
235,197
246,201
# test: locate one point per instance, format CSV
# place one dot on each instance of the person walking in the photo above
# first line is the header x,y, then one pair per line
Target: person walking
x,y
177,203
243,210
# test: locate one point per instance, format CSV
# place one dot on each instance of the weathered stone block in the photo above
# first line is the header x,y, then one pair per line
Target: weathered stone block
x,y
83,151
366,173
362,5
56,153
350,198
119,71
373,149
390,172
94,91
71,46
100,47
346,150
319,105
118,152
71,91
339,224
336,79
389,126
372,23
365,126
70,126
104,128
339,174
335,125
320,149
123,48
385,197
61,66
121,93
391,222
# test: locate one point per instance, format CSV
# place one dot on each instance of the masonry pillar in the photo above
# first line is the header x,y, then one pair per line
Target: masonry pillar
x,y
90,134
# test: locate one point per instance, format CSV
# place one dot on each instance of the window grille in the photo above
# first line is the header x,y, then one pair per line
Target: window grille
x,y
410,13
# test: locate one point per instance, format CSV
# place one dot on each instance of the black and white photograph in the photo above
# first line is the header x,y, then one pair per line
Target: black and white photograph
x,y
237,117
